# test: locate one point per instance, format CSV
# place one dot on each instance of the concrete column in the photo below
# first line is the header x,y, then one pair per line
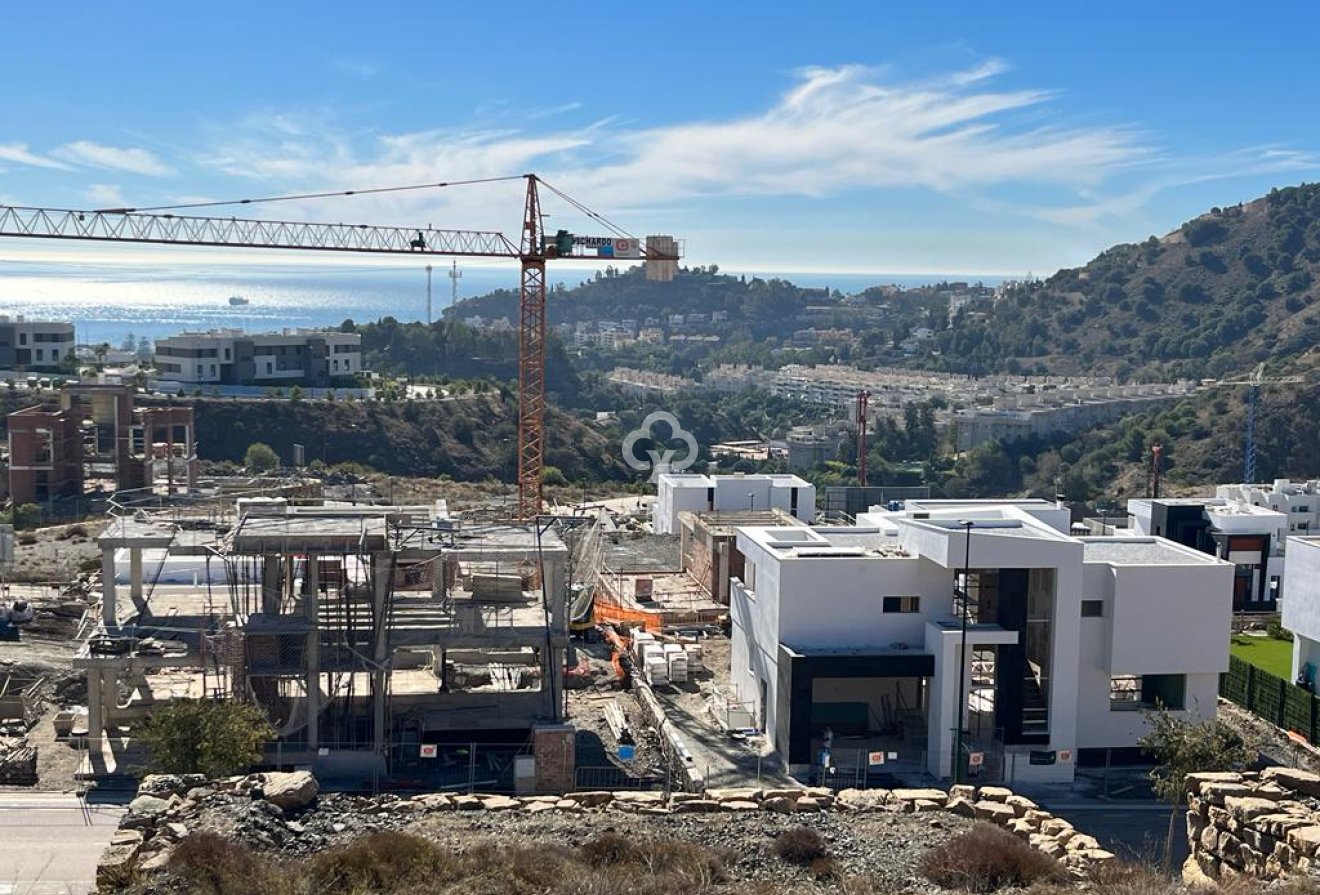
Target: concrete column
x,y
311,602
108,607
380,576
271,580
135,573
109,696
95,715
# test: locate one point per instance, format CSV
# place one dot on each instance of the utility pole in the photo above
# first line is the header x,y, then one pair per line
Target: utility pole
x,y
428,295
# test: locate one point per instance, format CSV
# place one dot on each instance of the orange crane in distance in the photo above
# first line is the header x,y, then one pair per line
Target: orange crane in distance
x,y
163,225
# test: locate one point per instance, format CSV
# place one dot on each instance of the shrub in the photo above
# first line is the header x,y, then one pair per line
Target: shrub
x,y
260,458
609,848
382,861
985,859
801,845
202,736
214,865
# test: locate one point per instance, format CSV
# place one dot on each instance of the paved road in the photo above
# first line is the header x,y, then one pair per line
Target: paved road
x,y
50,842
1130,829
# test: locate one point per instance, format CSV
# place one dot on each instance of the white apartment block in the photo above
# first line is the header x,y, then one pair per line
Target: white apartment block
x,y
1299,501
233,357
1068,638
1249,536
34,344
692,492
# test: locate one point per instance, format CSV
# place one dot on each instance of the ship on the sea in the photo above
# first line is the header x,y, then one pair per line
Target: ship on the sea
x,y
238,301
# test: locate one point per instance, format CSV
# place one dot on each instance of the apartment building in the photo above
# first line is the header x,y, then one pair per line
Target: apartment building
x,y
1299,501
860,629
677,493
34,344
1251,537
303,357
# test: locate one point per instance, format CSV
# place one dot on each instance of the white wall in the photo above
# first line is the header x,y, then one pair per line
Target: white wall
x,y
1301,600
1171,618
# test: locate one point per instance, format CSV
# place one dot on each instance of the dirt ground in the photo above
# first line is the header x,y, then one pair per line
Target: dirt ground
x,y
55,555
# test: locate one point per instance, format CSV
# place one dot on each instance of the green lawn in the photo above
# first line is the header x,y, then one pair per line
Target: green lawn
x,y
1266,653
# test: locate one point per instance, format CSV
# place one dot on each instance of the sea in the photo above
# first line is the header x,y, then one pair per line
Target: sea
x,y
114,303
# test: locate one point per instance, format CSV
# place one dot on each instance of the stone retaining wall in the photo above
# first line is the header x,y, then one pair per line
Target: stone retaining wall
x,y
160,817
1262,824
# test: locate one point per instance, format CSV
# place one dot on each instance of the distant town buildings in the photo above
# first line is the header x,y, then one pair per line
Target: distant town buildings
x,y
34,344
301,357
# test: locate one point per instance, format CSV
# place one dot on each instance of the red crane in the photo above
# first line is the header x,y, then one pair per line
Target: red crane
x,y
161,225
862,398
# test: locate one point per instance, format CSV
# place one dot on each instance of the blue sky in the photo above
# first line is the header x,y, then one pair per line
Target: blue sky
x,y
994,138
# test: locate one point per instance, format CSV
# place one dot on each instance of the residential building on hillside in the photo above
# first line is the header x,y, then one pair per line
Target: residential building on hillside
x,y
1300,501
692,492
860,629
304,357
1251,537
1301,606
34,344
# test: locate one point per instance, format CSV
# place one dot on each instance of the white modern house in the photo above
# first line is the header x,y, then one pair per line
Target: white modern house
x,y
1248,535
692,492
233,357
1299,501
1301,604
860,628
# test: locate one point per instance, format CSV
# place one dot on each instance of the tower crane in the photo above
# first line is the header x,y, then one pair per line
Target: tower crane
x,y
1253,382
162,225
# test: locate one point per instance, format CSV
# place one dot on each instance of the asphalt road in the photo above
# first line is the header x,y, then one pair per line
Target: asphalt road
x,y
50,842
1133,829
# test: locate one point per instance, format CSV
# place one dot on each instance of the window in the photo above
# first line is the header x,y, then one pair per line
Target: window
x,y
1093,608
1303,526
1302,509
749,576
41,354
1131,692
901,604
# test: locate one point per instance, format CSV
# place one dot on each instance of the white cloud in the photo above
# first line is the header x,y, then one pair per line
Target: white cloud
x,y
833,131
105,195
114,158
18,153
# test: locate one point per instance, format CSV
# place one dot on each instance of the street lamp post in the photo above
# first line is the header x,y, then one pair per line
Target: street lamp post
x,y
961,704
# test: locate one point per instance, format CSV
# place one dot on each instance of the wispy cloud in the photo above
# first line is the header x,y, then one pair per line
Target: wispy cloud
x,y
835,130
105,195
19,154
114,158
362,69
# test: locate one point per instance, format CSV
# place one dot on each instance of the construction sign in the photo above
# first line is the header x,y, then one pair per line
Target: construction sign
x,y
875,759
429,750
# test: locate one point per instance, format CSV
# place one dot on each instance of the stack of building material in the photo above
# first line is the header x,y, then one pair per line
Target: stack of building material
x,y
618,723
639,641
694,657
676,662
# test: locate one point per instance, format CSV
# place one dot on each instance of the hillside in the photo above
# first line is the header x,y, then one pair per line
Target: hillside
x,y
1224,292
469,439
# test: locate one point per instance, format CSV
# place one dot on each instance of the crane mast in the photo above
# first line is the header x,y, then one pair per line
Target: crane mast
x,y
160,226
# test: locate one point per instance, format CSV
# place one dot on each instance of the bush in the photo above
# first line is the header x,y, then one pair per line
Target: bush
x,y
214,865
801,845
260,458
383,861
202,736
986,859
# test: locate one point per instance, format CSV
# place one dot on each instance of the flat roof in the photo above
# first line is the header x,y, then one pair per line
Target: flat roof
x,y
1122,551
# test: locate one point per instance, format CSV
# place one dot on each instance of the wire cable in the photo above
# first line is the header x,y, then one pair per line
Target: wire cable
x,y
304,196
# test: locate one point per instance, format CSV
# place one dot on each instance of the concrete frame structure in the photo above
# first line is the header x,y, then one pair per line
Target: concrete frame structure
x,y
360,630
97,432
692,492
1249,536
859,627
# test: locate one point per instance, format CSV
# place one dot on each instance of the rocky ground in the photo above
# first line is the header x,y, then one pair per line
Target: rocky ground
x,y
878,834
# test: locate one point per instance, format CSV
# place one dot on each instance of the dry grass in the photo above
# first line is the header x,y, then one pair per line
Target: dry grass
x,y
212,865
986,859
800,845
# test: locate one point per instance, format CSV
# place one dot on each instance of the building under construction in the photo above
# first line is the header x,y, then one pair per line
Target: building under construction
x,y
372,637
96,433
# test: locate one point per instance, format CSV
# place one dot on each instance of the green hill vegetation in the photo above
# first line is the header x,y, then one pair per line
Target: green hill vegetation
x,y
1228,290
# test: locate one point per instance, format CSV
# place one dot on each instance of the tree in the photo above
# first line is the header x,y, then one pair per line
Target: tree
x,y
1185,747
202,736
260,458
